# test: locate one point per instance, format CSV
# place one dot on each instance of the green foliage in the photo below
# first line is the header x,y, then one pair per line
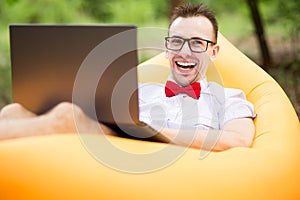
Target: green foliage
x,y
41,11
140,12
281,21
126,11
5,86
129,15
97,9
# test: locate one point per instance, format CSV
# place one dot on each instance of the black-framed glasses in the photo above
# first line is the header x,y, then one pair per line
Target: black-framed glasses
x,y
197,45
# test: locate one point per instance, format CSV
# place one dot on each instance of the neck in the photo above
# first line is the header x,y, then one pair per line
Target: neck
x,y
187,83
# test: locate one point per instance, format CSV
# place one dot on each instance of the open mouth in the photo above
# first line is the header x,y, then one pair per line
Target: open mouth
x,y
185,65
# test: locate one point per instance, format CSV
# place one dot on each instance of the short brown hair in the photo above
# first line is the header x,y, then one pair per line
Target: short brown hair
x,y
190,10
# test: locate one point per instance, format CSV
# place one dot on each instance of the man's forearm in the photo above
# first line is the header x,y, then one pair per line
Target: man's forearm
x,y
211,140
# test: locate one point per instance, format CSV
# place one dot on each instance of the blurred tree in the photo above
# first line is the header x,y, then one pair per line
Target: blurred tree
x,y
291,20
260,33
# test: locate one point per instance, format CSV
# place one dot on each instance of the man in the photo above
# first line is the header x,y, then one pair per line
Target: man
x,y
190,46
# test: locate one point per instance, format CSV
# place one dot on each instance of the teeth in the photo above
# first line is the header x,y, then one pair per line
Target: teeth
x,y
185,68
186,64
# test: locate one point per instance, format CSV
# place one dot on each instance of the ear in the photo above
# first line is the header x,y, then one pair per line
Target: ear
x,y
166,52
215,52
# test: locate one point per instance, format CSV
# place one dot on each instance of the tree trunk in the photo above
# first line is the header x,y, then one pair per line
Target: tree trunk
x,y
256,17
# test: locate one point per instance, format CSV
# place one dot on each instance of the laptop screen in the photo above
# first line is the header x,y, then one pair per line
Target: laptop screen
x,y
92,66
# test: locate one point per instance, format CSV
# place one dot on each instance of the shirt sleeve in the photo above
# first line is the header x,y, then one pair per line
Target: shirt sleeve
x,y
236,106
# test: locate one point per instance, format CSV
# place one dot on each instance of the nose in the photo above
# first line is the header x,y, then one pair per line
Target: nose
x,y
185,50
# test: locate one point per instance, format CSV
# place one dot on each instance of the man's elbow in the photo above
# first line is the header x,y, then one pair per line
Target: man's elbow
x,y
245,142
242,136
237,141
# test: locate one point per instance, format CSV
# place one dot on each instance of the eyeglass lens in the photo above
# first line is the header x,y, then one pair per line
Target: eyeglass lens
x,y
196,45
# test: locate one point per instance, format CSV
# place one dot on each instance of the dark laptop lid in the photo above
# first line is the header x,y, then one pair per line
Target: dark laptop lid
x,y
92,66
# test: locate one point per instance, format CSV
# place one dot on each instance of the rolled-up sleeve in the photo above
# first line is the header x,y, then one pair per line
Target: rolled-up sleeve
x,y
236,106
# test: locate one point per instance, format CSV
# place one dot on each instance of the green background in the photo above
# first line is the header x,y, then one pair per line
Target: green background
x,y
280,20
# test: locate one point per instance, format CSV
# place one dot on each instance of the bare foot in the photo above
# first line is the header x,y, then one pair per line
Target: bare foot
x,y
15,111
67,117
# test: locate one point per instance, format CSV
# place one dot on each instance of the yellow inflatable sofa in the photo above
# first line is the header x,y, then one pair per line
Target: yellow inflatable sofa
x,y
62,167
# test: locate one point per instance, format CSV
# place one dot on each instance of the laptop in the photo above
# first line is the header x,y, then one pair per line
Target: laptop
x,y
93,66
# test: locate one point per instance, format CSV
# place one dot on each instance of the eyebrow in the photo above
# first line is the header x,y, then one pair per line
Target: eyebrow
x,y
200,38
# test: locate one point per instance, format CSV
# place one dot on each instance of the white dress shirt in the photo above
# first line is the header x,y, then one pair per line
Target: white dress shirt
x,y
216,106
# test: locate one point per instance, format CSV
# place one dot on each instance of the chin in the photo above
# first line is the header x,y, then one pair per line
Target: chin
x,y
182,80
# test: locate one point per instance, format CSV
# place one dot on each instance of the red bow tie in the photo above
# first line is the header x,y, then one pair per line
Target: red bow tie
x,y
192,90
